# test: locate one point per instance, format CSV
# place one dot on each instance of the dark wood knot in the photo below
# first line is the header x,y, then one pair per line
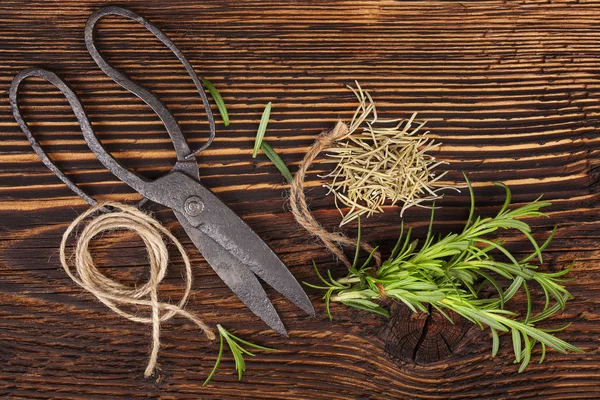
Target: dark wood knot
x,y
421,338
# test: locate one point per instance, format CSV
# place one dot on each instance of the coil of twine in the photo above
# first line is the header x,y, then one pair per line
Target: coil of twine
x,y
111,216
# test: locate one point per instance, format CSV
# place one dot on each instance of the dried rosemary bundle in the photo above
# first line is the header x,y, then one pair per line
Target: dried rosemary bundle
x,y
382,162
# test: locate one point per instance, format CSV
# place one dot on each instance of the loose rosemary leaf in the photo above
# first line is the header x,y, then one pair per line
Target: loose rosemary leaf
x,y
235,346
218,99
275,159
262,128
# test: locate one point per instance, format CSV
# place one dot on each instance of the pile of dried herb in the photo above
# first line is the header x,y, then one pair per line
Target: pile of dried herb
x,y
381,162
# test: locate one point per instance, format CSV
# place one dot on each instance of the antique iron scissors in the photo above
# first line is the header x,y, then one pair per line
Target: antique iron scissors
x,y
232,249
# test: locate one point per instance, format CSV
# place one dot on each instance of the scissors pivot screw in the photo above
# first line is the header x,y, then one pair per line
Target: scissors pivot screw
x,y
193,206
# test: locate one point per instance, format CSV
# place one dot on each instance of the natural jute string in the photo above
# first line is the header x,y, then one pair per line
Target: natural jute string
x,y
114,294
300,207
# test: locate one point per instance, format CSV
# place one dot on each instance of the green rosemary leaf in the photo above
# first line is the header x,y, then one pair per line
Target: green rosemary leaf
x,y
331,278
399,242
528,295
516,340
505,270
508,198
275,159
543,356
250,344
241,350
441,311
319,274
513,288
262,128
366,306
511,224
310,285
495,342
218,100
501,248
428,297
407,304
472,207
477,316
542,247
538,251
545,314
218,361
559,329
547,298
543,337
407,247
555,290
429,237
561,272
327,298
526,354
368,260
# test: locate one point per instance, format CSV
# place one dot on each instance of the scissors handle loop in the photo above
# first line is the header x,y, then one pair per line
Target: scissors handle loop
x,y
181,146
185,157
73,100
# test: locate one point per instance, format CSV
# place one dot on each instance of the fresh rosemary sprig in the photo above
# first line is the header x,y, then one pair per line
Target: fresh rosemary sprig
x,y
235,345
451,273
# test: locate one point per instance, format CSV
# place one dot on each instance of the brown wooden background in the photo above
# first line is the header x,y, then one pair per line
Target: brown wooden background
x,y
510,87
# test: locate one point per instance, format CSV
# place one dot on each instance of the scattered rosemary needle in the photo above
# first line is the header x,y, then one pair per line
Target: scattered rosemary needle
x,y
235,345
218,99
453,272
275,159
382,162
262,128
260,143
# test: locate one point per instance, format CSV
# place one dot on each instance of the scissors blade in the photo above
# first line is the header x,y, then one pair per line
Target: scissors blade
x,y
233,234
198,209
236,276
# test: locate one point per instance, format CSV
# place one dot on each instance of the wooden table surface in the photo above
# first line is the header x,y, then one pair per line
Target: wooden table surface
x,y
511,88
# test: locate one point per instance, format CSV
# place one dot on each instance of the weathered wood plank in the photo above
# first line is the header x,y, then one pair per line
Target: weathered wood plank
x,y
510,88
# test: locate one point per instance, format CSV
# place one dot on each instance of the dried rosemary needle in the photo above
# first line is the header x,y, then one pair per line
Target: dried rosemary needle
x,y
383,162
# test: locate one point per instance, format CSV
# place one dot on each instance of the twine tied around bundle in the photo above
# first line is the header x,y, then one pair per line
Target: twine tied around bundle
x,y
300,208
374,166
115,295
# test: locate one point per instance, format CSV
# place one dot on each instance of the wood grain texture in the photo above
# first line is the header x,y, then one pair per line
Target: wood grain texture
x,y
510,87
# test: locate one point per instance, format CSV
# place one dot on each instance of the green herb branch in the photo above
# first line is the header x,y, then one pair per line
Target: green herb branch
x,y
451,273
235,344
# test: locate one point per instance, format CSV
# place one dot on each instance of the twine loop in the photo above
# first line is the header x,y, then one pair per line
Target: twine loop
x,y
115,295
300,208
